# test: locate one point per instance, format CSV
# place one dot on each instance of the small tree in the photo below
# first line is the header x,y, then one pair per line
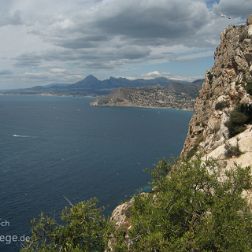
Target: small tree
x,y
239,117
248,87
82,228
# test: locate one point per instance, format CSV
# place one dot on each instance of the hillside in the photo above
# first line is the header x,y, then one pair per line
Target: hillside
x,y
181,96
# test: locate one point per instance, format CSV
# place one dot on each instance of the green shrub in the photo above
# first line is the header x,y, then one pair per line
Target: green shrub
x,y
248,87
160,172
232,150
221,105
193,151
193,211
190,210
210,77
82,228
240,116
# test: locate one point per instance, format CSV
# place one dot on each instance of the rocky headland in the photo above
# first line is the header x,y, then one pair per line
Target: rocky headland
x,y
179,95
147,98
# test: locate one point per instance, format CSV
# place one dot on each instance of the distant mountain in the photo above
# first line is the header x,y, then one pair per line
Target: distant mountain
x,y
90,82
92,86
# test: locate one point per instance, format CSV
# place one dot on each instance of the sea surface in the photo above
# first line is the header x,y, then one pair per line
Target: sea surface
x,y
58,148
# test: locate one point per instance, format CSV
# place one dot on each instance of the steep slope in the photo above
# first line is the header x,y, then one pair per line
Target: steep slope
x,y
221,127
223,109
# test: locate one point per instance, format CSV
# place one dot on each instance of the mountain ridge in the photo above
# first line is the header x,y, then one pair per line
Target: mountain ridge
x,y
91,81
91,86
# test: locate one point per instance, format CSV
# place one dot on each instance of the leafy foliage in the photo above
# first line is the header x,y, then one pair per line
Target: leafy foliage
x,y
160,172
232,150
82,228
193,151
191,210
248,87
221,105
240,116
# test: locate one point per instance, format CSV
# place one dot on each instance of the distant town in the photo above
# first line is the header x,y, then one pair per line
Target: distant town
x,y
146,97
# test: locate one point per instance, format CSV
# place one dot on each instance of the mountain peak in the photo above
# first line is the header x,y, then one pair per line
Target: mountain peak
x,y
91,77
89,82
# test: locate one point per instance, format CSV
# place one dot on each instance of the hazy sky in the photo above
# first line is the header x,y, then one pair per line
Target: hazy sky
x,y
46,41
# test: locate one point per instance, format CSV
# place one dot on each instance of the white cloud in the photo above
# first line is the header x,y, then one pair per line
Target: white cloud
x,y
57,70
234,8
157,74
58,37
152,75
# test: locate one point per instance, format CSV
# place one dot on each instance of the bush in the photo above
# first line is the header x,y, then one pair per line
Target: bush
x,y
248,87
193,211
160,172
190,210
232,151
221,105
240,116
210,77
82,228
193,151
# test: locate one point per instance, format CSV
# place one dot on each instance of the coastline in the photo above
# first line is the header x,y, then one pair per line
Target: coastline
x,y
139,106
93,104
45,94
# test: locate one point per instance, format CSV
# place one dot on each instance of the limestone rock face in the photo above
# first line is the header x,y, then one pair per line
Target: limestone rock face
x,y
119,215
223,89
120,218
244,141
244,159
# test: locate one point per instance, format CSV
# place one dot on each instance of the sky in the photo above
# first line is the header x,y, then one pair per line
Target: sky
x,y
62,41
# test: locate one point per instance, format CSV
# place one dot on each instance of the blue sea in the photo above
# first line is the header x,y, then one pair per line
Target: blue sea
x,y
53,148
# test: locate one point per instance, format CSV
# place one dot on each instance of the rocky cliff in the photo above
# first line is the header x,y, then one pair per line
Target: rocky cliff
x,y
221,127
223,109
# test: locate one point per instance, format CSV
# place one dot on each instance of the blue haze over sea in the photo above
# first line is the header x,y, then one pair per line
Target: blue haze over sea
x,y
56,147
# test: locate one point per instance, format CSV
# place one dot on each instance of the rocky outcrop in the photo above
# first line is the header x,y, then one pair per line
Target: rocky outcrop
x,y
120,214
235,151
224,89
120,219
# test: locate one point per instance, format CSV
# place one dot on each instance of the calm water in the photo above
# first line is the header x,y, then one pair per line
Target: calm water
x,y
51,147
